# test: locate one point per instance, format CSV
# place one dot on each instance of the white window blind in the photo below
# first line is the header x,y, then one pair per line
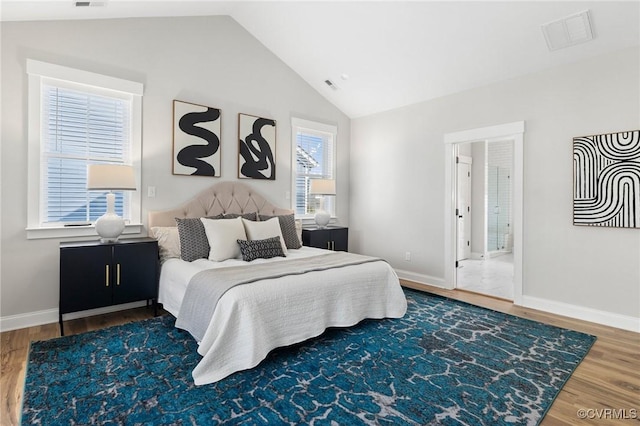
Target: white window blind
x,y
80,128
76,118
314,159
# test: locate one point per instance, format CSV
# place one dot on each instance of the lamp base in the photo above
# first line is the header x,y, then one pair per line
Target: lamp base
x,y
109,227
322,218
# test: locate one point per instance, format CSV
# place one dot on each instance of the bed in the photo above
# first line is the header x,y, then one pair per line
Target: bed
x,y
270,302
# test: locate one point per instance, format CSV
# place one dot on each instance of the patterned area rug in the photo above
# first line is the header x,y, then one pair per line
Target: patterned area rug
x,y
445,362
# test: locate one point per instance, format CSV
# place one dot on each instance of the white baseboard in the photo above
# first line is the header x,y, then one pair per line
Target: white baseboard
x,y
420,278
583,313
477,256
559,308
30,319
49,316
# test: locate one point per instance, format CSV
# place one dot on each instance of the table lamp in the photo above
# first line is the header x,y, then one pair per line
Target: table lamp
x,y
110,177
322,187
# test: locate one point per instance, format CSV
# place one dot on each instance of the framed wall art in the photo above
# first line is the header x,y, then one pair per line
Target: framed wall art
x,y
606,184
196,140
257,147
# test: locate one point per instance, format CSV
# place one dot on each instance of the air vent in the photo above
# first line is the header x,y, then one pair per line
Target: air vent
x,y
331,84
569,31
88,3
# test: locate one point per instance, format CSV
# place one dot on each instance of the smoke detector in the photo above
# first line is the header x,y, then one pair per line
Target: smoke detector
x,y
569,31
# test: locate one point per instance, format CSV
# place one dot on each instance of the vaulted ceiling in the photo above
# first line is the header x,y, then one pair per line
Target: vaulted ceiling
x,y
383,55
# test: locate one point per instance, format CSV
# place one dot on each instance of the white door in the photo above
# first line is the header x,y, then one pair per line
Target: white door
x,y
463,207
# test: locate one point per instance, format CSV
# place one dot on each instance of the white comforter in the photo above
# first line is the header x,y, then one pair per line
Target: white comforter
x,y
252,319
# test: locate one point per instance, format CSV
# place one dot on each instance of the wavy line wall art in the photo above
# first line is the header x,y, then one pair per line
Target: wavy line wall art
x,y
196,140
257,147
606,185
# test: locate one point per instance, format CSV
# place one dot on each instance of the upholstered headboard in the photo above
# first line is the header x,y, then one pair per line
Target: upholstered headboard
x,y
223,197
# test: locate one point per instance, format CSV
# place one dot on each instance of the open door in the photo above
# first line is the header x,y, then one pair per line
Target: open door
x,y
463,207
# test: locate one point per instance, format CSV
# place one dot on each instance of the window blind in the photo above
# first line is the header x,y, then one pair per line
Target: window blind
x,y
314,160
81,127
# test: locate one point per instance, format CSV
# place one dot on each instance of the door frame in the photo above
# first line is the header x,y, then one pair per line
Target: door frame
x,y
515,132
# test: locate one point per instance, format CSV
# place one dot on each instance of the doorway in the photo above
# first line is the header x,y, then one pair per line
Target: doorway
x,y
484,188
510,131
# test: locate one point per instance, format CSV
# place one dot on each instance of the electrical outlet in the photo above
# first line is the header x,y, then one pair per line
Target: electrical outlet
x,y
407,256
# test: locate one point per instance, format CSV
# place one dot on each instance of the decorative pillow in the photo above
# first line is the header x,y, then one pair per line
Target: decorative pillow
x,y
299,230
288,228
260,249
193,240
262,230
223,236
249,216
168,241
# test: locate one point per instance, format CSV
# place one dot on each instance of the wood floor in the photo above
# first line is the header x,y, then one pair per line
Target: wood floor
x,y
605,386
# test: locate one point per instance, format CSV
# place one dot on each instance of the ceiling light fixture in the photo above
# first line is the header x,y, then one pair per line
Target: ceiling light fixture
x,y
569,31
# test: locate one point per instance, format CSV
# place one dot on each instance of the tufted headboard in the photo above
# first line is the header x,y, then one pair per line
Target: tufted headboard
x,y
223,197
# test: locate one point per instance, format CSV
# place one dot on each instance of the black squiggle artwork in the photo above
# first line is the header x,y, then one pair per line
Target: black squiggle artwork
x,y
192,155
257,154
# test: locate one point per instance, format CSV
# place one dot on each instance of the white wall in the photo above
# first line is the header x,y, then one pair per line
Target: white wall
x,y
397,181
212,61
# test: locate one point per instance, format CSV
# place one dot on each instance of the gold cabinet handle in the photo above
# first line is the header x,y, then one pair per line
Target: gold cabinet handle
x,y
106,281
117,274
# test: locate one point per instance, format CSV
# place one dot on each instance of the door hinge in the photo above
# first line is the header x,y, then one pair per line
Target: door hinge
x,y
456,263
457,160
457,212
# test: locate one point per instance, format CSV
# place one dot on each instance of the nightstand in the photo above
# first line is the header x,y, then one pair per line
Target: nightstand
x,y
95,275
331,238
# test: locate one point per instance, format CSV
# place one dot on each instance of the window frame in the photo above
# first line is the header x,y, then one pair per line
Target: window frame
x,y
38,72
313,127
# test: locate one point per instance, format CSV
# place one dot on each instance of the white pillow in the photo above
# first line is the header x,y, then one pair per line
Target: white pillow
x,y
168,241
263,230
223,236
299,229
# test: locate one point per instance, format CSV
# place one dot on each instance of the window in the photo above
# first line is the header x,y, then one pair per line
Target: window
x,y
314,158
78,118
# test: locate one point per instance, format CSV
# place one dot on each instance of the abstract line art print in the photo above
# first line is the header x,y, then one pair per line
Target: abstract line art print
x,y
606,186
196,140
256,152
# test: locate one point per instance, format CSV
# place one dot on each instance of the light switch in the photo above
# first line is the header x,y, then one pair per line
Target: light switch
x,y
151,191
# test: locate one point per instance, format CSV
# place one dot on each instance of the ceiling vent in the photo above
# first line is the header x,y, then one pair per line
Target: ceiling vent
x,y
574,29
331,84
88,3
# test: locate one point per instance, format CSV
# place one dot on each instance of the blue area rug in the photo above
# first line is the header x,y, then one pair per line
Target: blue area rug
x,y
445,362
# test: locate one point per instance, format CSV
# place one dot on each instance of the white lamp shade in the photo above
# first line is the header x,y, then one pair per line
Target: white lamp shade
x,y
322,187
112,177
